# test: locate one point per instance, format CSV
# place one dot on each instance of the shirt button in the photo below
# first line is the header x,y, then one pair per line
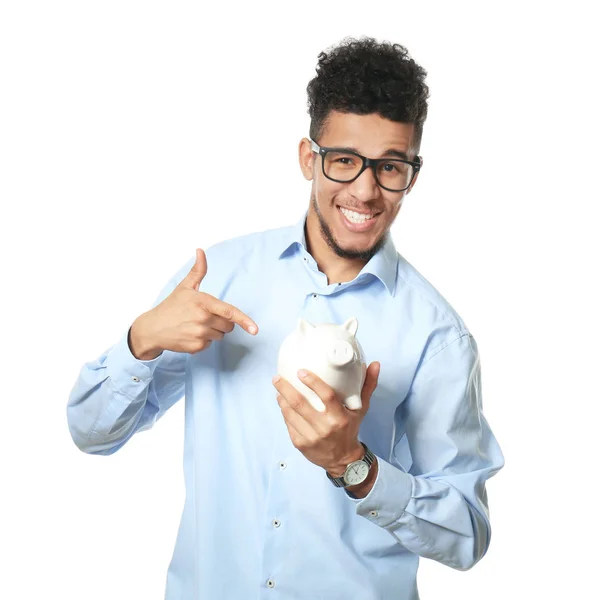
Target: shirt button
x,y
135,379
374,513
282,464
305,259
314,295
270,583
276,523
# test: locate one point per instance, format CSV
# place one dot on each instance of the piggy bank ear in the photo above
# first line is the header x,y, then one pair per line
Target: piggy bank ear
x,y
351,325
304,327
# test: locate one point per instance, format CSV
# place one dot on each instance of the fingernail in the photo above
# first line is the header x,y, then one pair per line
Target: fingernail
x,y
252,329
276,379
302,373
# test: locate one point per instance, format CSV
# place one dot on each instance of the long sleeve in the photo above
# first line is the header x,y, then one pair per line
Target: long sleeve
x,y
117,395
439,508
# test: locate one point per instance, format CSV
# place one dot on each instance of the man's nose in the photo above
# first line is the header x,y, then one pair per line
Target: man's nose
x,y
365,186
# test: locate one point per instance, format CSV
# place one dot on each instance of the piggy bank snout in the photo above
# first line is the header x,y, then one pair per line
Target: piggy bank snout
x,y
340,353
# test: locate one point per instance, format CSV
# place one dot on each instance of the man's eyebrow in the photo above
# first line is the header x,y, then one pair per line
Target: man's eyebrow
x,y
388,152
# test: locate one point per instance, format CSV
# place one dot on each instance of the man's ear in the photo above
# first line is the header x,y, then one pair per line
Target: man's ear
x,y
306,158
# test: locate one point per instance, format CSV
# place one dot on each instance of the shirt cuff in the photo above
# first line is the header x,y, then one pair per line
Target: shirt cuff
x,y
389,496
128,372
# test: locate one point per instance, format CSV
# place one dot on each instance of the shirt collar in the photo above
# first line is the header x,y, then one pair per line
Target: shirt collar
x,y
382,265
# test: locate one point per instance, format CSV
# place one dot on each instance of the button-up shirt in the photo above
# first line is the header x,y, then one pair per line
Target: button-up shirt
x,y
260,521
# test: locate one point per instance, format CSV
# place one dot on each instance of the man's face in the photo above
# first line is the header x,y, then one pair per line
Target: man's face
x,y
370,135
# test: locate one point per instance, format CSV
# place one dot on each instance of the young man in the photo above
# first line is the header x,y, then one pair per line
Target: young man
x,y
265,513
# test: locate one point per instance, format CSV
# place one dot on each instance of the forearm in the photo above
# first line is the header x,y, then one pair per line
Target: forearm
x,y
114,396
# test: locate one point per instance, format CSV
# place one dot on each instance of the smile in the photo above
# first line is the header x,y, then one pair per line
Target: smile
x,y
356,221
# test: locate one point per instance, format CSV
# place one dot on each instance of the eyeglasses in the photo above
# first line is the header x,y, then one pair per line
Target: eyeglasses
x,y
344,166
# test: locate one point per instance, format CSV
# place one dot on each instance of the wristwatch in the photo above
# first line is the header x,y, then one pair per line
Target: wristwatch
x,y
356,472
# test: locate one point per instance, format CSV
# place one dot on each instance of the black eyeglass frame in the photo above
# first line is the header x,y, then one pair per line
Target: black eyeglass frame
x,y
366,162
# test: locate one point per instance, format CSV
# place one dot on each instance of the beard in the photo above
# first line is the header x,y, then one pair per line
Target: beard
x,y
327,235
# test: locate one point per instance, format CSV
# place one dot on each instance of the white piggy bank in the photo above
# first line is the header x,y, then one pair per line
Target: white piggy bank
x,y
330,351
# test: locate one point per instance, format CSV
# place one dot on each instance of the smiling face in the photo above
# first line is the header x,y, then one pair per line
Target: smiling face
x,y
328,229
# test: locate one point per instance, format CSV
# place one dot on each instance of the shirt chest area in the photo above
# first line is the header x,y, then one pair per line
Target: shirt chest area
x,y
235,373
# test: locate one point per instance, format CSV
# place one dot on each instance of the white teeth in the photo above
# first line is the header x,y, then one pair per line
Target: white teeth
x,y
354,217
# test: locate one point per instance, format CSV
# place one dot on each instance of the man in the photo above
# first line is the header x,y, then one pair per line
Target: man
x,y
272,509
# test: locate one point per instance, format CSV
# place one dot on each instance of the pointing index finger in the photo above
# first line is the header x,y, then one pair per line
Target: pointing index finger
x,y
232,313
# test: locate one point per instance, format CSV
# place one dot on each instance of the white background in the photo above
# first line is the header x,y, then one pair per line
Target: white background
x,y
132,132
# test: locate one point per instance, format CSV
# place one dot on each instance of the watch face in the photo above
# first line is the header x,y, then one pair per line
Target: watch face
x,y
356,473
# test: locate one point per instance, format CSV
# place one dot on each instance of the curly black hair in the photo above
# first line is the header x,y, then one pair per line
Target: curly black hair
x,y
365,76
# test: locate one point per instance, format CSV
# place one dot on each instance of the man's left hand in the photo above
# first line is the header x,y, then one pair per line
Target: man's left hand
x,y
328,439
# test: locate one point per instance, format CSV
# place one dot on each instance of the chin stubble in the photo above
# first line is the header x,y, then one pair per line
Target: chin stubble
x,y
325,231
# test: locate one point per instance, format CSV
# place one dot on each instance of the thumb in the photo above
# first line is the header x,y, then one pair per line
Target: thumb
x,y
370,383
194,278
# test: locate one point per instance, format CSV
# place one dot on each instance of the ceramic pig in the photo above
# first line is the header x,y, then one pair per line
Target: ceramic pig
x,y
330,351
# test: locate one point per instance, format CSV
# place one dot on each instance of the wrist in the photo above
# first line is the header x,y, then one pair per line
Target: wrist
x,y
139,341
362,489
338,470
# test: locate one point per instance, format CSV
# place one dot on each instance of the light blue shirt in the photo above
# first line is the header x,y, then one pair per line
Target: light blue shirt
x,y
260,521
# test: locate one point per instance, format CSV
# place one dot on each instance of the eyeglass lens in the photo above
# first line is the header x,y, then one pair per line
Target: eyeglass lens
x,y
344,167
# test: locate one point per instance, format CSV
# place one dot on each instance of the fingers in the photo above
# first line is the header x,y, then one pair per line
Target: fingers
x,y
199,346
306,419
212,304
372,378
194,278
204,336
329,396
219,323
299,428
229,312
370,384
209,333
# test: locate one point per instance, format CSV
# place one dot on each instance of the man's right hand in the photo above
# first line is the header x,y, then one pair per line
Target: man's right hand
x,y
187,320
